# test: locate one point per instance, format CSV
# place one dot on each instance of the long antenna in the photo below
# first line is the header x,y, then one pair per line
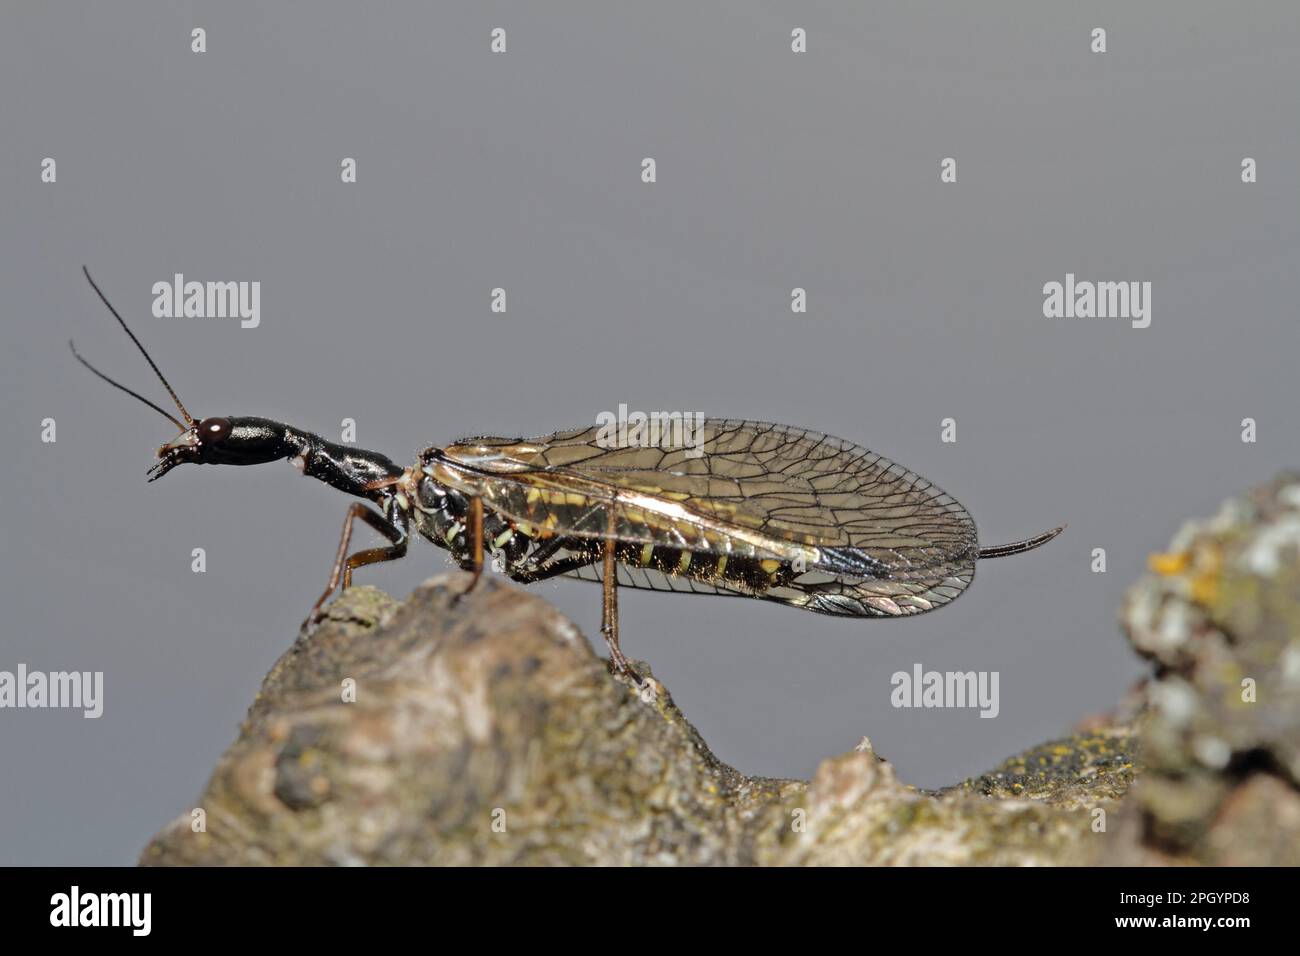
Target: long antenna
x,y
167,385
167,415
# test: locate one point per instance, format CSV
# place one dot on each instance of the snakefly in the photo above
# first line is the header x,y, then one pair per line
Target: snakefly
x,y
753,509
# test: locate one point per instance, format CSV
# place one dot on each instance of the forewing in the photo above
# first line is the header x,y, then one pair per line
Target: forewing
x,y
740,487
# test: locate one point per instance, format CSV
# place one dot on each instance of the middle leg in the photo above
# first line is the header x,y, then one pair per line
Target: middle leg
x,y
474,538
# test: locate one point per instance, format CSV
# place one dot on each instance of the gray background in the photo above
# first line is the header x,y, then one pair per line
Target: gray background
x,y
522,171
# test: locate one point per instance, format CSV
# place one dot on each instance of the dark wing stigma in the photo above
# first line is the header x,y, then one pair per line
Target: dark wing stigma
x,y
753,509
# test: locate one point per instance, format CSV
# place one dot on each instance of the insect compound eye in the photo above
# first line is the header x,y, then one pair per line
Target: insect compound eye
x,y
214,430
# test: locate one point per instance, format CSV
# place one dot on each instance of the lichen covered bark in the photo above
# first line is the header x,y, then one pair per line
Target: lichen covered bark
x,y
1220,618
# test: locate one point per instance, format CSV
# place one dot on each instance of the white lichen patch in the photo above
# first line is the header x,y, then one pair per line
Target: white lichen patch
x,y
1177,622
1290,496
1175,700
1276,544
1212,752
1289,665
566,629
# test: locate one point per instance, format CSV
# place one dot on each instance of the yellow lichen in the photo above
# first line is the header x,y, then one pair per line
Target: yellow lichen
x,y
1169,564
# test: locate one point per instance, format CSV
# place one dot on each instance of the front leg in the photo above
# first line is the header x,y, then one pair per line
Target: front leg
x,y
392,526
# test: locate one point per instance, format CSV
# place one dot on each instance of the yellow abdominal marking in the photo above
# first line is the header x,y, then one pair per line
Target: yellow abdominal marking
x,y
684,563
549,497
646,552
770,567
722,566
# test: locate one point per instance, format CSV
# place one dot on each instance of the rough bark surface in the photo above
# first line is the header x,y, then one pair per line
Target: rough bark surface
x,y
486,731
1220,620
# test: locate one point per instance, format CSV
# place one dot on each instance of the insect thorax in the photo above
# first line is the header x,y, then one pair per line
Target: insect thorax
x,y
441,515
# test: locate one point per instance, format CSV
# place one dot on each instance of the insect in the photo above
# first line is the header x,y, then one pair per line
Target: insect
x,y
753,510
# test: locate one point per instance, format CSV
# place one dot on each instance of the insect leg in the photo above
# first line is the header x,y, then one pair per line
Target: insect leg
x,y
609,605
343,565
372,556
552,569
543,551
609,608
474,537
537,566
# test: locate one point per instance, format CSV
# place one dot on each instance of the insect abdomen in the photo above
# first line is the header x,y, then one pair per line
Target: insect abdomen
x,y
749,574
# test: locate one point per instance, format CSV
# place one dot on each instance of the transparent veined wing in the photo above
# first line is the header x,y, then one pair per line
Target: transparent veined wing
x,y
750,489
912,593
